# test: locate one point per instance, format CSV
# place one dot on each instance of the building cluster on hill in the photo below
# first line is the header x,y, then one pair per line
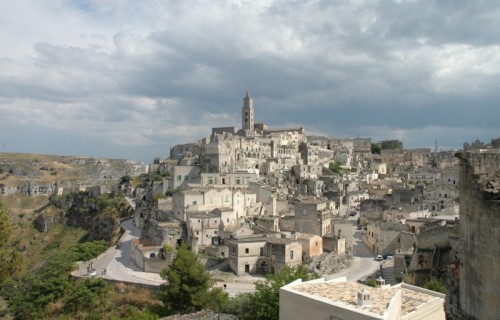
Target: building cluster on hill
x,y
260,198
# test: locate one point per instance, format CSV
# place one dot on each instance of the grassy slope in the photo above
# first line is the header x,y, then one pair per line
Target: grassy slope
x,y
36,246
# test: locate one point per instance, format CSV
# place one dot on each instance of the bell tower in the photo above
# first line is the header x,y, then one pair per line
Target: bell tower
x,y
247,113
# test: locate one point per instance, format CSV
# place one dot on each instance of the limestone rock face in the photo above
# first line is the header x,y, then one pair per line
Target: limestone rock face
x,y
47,219
84,210
104,227
328,263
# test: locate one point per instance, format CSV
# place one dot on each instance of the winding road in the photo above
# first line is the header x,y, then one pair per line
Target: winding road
x,y
119,266
117,262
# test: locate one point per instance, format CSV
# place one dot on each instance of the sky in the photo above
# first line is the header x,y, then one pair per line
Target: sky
x,y
129,79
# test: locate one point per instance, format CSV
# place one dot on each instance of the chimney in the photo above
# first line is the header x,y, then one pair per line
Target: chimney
x,y
364,298
380,282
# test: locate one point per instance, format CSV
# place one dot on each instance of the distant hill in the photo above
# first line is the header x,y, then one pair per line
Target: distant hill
x,y
38,174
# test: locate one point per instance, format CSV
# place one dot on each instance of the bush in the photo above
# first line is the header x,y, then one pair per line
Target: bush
x,y
435,284
371,282
125,179
88,250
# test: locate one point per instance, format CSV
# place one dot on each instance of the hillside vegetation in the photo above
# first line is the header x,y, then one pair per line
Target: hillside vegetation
x,y
37,282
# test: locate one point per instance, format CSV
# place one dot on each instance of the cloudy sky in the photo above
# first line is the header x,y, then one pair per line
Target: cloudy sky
x,y
129,79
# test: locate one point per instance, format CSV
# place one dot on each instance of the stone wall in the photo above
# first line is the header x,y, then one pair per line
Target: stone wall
x,y
479,252
434,235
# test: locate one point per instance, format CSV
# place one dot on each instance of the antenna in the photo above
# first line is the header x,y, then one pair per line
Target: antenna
x,y
435,145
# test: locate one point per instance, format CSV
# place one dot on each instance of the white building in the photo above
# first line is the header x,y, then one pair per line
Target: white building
x,y
338,299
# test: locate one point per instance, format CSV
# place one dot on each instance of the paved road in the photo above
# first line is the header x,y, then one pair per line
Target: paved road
x,y
364,262
118,264
120,267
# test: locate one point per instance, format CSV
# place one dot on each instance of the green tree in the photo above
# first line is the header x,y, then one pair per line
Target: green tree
x,y
29,296
125,179
335,167
9,256
264,303
85,295
376,149
189,287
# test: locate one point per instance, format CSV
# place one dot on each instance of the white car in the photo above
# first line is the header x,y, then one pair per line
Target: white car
x,y
379,258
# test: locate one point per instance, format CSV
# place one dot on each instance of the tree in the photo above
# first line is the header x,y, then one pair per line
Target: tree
x,y
9,256
189,287
335,167
376,148
264,303
125,179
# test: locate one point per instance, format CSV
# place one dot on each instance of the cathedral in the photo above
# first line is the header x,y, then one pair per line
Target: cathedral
x,y
229,148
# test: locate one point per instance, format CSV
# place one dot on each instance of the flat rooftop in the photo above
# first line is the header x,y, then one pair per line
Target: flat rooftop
x,y
347,293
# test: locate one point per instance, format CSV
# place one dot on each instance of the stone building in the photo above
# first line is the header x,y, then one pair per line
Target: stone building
x,y
313,216
246,254
383,237
344,229
207,199
148,257
312,245
283,252
238,179
203,229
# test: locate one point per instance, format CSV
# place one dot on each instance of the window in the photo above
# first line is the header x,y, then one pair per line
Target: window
x,y
234,249
179,178
316,243
215,231
227,220
262,251
197,232
238,181
226,198
194,202
210,181
291,254
247,250
304,212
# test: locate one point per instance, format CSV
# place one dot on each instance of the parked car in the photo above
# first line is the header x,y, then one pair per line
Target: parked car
x,y
379,258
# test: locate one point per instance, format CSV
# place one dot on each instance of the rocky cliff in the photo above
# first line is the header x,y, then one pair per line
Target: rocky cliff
x,y
97,214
